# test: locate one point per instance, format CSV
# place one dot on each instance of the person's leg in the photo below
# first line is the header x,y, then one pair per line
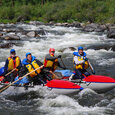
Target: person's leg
x,y
85,72
78,74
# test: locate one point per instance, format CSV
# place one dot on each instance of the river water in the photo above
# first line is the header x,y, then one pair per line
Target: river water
x,y
42,102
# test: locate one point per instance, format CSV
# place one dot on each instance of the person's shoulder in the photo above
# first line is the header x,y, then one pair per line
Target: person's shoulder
x,y
24,62
84,54
75,53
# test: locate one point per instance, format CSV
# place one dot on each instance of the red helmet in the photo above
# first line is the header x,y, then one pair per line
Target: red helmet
x,y
51,50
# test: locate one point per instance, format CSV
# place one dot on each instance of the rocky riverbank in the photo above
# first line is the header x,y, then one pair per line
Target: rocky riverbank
x,y
11,32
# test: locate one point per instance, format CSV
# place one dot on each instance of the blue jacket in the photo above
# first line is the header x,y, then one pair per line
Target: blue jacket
x,y
25,60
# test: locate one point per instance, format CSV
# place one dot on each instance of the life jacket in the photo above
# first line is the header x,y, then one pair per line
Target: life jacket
x,y
80,58
51,64
32,66
12,64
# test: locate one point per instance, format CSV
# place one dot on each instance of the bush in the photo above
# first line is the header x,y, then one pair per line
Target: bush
x,y
97,11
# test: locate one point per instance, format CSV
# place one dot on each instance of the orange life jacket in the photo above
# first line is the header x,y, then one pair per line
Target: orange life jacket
x,y
51,64
13,63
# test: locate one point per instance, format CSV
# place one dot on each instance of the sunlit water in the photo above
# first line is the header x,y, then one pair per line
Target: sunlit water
x,y
41,102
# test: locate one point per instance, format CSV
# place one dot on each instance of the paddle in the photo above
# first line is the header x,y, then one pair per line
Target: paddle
x,y
91,67
54,75
10,72
6,86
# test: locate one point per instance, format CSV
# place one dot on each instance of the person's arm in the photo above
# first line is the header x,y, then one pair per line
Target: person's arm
x,y
48,57
6,67
76,60
39,62
23,70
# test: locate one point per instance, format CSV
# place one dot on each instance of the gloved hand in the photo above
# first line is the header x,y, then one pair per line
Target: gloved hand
x,y
86,59
59,56
93,72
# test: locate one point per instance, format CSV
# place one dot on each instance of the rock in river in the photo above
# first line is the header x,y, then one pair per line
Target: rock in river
x,y
11,37
111,33
33,34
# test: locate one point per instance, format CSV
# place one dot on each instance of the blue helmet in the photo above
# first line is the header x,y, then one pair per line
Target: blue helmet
x,y
80,48
28,54
12,51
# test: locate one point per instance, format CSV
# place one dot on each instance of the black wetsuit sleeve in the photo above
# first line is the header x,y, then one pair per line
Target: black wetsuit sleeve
x,y
39,62
23,70
48,57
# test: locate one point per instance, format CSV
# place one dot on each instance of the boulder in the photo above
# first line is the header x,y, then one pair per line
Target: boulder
x,y
41,32
99,46
77,24
72,48
94,27
90,27
111,32
11,37
33,34
100,28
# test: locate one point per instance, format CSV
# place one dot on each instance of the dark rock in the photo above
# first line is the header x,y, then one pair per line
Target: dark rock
x,y
74,24
111,32
41,32
6,45
72,48
77,24
94,27
101,28
90,27
99,46
22,18
88,97
113,47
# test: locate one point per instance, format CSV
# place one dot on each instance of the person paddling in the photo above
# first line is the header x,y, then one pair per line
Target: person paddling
x,y
51,61
80,64
30,63
12,63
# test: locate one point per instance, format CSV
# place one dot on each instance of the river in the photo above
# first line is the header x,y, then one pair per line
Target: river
x,y
86,102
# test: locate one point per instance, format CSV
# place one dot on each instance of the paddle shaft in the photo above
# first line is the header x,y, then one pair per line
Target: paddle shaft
x,y
92,69
19,79
10,72
54,75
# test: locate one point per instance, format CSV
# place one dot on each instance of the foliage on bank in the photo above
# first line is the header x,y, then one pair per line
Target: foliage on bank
x,y
97,11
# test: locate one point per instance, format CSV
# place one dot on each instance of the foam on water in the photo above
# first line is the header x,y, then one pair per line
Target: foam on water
x,y
64,105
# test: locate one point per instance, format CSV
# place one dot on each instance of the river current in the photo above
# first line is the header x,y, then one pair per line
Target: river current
x,y
86,102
